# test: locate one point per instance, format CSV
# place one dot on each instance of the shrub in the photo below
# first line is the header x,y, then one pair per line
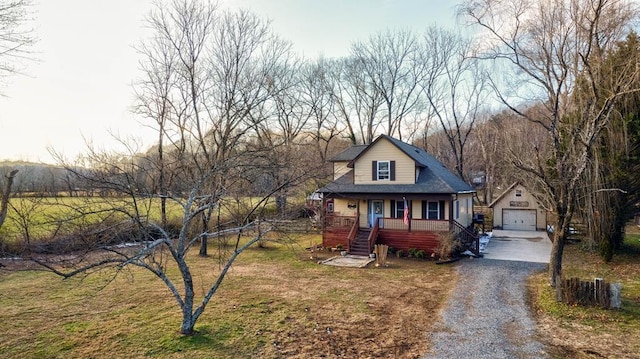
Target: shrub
x,y
419,254
399,253
412,252
448,247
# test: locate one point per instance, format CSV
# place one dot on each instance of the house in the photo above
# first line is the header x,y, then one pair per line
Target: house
x,y
518,209
390,192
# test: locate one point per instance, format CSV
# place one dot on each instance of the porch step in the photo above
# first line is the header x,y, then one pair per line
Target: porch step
x,y
360,245
362,235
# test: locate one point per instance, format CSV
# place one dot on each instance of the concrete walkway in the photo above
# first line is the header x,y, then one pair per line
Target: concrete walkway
x,y
348,261
524,246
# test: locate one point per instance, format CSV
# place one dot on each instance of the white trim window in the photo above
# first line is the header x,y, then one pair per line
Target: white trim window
x,y
384,170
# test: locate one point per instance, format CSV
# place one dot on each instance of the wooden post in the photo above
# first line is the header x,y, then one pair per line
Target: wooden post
x,y
615,300
597,293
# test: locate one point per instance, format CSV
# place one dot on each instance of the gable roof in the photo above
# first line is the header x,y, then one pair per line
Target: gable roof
x,y
511,188
503,194
433,178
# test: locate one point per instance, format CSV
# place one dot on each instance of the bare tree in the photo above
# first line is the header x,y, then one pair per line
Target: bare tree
x,y
316,86
126,210
548,48
209,88
392,62
218,72
357,100
155,99
15,38
456,89
6,195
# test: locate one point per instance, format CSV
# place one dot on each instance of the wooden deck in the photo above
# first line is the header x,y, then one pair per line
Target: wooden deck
x,y
420,234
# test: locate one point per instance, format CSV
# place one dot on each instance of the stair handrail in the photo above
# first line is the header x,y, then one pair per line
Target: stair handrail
x,y
352,233
373,235
470,236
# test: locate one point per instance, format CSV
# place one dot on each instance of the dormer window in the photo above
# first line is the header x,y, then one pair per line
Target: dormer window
x,y
384,170
518,193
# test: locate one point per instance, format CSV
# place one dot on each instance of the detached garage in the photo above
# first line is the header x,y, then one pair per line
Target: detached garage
x,y
517,210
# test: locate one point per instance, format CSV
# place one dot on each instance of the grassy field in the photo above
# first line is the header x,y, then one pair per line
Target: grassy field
x,y
580,332
44,216
277,302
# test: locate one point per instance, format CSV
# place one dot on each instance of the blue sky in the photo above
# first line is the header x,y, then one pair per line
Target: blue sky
x,y
80,88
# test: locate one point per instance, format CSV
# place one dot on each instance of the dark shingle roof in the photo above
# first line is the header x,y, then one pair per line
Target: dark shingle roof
x,y
434,178
349,154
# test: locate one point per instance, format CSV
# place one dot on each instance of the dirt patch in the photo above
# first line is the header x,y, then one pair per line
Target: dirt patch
x,y
382,318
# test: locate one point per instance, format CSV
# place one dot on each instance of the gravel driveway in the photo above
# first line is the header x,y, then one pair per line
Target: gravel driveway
x,y
487,315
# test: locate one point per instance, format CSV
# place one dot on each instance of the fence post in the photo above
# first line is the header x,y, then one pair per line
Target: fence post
x,y
615,301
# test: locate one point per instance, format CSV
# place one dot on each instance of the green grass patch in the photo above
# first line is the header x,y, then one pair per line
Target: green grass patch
x,y
576,331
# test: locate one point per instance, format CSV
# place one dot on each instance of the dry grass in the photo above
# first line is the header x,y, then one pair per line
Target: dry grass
x,y
579,332
276,303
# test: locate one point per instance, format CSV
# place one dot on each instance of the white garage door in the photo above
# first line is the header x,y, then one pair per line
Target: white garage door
x,y
519,219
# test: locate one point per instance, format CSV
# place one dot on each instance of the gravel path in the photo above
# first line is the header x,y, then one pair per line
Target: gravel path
x,y
487,315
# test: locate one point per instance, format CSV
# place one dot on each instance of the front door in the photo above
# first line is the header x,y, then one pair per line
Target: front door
x,y
376,210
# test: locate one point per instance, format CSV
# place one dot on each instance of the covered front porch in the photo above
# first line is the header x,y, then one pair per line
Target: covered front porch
x,y
421,234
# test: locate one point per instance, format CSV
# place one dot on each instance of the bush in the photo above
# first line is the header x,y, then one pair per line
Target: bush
x,y
399,253
412,252
419,254
448,247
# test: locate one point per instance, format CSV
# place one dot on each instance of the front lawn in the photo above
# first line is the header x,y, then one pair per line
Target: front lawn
x,y
277,302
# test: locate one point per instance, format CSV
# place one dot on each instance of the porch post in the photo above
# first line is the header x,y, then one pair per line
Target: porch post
x,y
407,212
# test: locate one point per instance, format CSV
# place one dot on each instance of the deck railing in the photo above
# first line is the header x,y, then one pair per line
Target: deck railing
x,y
469,239
420,225
339,221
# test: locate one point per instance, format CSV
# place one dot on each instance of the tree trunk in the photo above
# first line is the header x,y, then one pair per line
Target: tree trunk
x,y
188,323
6,194
203,245
555,265
557,250
206,216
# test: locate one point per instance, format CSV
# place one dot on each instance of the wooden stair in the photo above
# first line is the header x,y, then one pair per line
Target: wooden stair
x,y
360,245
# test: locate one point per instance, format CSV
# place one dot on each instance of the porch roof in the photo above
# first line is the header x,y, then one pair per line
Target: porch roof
x,y
429,182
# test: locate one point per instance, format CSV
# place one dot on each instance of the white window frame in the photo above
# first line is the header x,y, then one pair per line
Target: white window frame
x,y
384,175
437,209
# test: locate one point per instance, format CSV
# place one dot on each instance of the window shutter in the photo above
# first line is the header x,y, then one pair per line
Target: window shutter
x,y
394,212
374,170
441,206
393,170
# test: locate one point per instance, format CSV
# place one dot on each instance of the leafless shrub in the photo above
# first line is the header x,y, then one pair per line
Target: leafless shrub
x,y
448,247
